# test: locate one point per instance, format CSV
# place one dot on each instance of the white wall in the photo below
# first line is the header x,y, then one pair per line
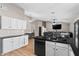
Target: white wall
x,y
36,28
36,24
65,27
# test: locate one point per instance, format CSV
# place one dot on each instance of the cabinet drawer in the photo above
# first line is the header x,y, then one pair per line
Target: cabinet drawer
x,y
61,51
62,45
50,43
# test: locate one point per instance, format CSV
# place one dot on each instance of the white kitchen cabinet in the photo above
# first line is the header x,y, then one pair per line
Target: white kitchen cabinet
x,y
19,24
50,48
22,41
24,24
16,42
71,53
10,44
12,23
59,51
56,49
62,45
26,39
7,45
5,22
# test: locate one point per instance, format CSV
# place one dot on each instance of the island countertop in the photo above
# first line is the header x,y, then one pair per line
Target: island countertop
x,y
68,42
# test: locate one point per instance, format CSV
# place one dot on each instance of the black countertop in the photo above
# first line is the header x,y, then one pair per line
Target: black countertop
x,y
59,41
44,38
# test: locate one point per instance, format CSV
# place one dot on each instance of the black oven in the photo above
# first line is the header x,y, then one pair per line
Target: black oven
x,y
39,47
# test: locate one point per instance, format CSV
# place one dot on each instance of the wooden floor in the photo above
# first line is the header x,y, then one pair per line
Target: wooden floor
x,y
24,51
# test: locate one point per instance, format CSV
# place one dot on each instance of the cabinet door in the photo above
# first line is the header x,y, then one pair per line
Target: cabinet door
x,y
19,24
16,42
7,45
24,24
59,51
6,23
14,23
22,41
26,39
50,48
71,53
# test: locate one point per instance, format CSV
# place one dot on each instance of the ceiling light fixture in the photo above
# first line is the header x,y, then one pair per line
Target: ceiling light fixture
x,y
54,18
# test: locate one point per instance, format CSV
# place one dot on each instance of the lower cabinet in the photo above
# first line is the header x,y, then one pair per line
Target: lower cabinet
x,y
60,51
54,49
10,44
26,39
16,42
71,53
7,45
50,50
23,40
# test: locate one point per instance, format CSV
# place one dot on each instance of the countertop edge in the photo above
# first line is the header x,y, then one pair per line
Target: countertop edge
x,y
12,36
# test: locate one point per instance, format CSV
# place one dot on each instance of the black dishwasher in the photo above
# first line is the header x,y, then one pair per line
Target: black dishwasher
x,y
39,47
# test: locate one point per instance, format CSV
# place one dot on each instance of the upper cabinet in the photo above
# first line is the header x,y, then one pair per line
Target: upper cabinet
x,y
12,23
5,23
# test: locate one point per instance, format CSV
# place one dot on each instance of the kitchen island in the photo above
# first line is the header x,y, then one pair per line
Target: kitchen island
x,y
52,47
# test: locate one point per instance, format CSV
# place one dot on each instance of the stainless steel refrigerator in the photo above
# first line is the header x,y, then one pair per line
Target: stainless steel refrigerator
x,y
76,34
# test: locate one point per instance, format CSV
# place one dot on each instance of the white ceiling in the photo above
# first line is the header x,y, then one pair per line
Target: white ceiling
x,y
62,11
